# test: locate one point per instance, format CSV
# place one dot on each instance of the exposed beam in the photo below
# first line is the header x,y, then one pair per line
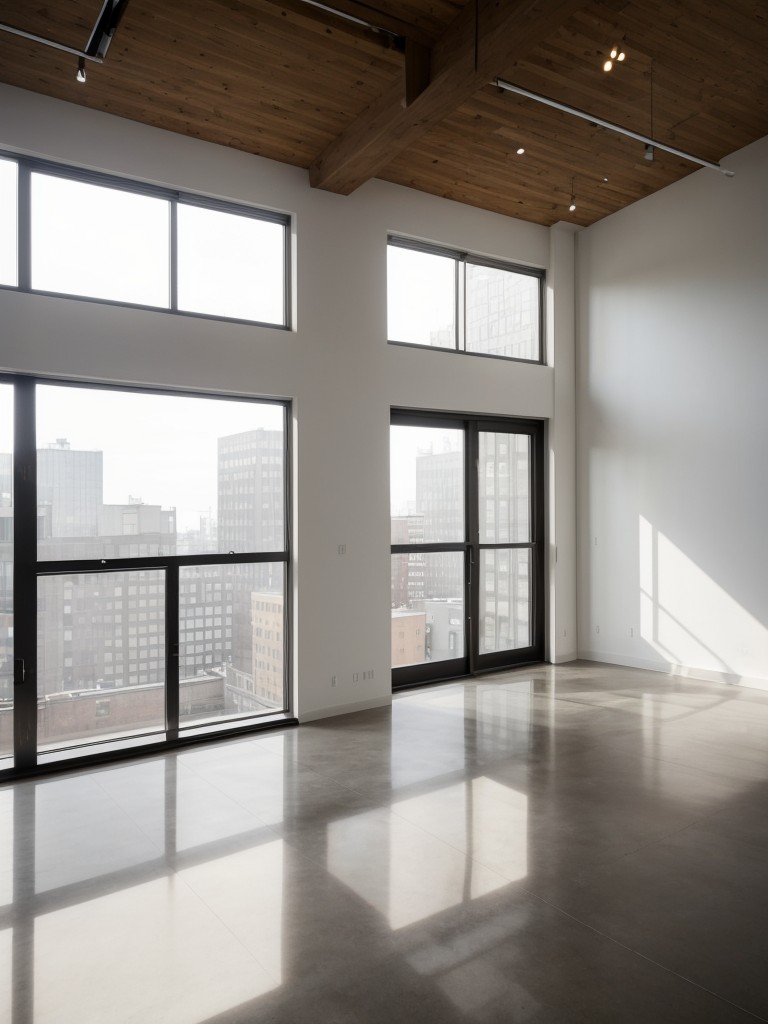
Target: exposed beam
x,y
484,38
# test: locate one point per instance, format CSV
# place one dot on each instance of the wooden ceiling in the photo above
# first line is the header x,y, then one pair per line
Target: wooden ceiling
x,y
296,83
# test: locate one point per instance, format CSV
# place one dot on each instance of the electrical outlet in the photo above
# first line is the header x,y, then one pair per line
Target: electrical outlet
x,y
632,631
355,677
342,549
333,680
597,629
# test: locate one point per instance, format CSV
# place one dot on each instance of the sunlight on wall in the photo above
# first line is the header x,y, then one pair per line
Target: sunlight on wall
x,y
689,619
433,851
154,949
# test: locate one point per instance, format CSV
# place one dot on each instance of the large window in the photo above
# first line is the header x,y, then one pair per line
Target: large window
x,y
445,299
150,566
105,238
467,536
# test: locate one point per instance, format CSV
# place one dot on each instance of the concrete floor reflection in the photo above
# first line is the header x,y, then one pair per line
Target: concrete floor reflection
x,y
580,843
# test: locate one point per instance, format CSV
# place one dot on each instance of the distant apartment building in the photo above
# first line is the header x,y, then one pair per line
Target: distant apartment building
x,y
408,570
408,637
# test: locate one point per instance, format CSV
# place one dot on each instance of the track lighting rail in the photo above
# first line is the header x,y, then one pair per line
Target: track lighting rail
x,y
566,109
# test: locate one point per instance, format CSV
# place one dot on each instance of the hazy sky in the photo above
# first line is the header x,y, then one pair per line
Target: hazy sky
x,y
160,448
405,445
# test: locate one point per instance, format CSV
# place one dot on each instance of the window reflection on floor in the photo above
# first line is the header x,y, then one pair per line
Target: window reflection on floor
x,y
141,947
434,851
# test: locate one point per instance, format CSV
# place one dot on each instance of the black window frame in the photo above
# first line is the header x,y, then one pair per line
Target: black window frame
x,y
27,757
28,165
472,662
462,259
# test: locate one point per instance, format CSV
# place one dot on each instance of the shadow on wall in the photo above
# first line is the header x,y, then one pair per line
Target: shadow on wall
x,y
687,618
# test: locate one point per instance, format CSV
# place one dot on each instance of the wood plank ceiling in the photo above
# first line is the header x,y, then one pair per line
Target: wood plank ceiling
x,y
296,83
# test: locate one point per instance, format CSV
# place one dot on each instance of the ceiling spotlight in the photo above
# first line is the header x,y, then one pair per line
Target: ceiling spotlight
x,y
572,207
649,152
520,150
605,179
80,76
616,54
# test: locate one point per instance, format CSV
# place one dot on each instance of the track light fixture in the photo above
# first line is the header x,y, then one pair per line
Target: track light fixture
x,y
572,206
649,152
80,76
616,55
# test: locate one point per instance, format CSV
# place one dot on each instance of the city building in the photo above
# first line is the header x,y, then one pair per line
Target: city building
x,y
251,494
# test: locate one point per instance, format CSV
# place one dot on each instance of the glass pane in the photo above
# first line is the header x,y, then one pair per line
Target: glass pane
x,y
6,570
502,313
427,607
126,474
505,600
504,488
231,641
426,485
231,265
9,217
421,297
99,242
101,655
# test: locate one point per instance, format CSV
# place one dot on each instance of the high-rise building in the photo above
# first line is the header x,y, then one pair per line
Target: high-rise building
x,y
70,489
250,519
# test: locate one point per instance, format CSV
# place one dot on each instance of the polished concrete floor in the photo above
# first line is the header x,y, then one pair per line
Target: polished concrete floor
x,y
573,844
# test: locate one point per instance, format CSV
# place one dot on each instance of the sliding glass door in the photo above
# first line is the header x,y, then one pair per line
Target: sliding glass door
x,y
149,565
466,499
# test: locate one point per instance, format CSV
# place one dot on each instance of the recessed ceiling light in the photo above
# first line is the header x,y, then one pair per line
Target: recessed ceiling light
x,y
608,65
520,150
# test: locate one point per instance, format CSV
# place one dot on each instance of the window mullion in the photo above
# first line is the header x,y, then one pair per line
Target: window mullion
x,y
173,256
24,228
460,304
172,652
24,576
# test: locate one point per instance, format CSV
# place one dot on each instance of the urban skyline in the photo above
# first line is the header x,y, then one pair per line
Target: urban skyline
x,y
102,635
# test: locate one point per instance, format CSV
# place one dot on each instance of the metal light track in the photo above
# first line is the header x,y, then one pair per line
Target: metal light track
x,y
566,109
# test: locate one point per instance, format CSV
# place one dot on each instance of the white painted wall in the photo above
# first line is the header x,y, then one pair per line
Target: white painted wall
x,y
672,428
336,366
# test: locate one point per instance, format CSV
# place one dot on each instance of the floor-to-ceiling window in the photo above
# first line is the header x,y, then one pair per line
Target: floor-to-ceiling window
x,y
467,531
147,568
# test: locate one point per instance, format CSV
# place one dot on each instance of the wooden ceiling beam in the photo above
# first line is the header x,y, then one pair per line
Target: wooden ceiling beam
x,y
482,39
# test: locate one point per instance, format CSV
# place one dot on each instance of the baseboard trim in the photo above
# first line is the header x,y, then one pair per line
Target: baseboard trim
x,y
344,709
670,669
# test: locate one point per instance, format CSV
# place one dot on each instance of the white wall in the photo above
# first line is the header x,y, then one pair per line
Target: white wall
x,y
336,366
672,428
